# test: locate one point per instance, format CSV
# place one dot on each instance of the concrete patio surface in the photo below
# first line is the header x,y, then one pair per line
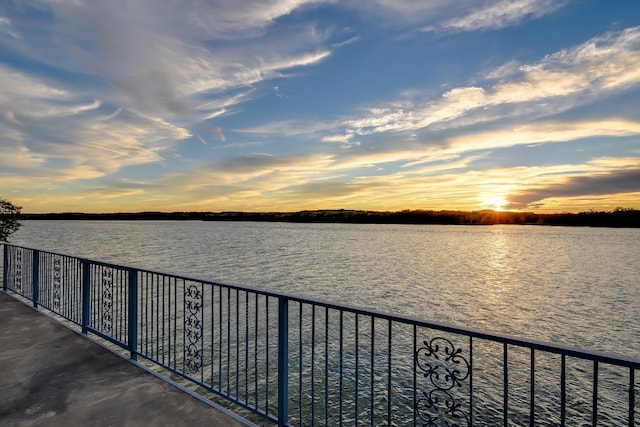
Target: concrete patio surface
x,y
52,376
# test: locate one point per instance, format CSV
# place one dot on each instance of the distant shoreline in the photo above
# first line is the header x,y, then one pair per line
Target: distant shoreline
x,y
619,217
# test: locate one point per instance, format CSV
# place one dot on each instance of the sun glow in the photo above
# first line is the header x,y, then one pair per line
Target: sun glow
x,y
493,202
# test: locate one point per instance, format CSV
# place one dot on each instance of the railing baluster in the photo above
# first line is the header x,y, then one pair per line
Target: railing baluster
x,y
228,372
326,366
470,381
563,390
170,342
389,339
133,313
5,267
201,352
255,354
355,378
415,374
313,368
372,372
267,358
632,397
146,318
283,361
341,374
175,323
35,277
78,293
213,334
155,311
123,287
184,329
166,330
300,350
147,307
220,340
116,300
532,385
71,293
505,384
594,413
86,295
237,343
246,346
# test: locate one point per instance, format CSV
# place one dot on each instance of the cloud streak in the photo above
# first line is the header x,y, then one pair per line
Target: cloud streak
x,y
448,16
563,80
499,14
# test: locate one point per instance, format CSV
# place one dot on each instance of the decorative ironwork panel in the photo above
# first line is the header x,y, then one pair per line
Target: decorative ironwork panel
x,y
18,276
57,283
107,300
193,330
445,369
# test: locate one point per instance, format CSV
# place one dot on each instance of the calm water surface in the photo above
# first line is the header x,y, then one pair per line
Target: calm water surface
x,y
574,286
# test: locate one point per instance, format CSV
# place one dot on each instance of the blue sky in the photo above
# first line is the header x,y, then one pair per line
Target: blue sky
x,y
195,105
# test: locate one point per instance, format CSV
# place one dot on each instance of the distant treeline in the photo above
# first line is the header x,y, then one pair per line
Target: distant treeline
x,y
619,217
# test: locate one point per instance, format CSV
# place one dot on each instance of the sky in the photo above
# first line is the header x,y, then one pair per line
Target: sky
x,y
287,105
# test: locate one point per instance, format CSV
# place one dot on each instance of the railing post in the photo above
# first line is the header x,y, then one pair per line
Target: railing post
x,y
5,267
86,294
133,313
35,276
283,361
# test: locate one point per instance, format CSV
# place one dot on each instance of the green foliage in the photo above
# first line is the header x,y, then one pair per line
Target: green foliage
x,y
9,219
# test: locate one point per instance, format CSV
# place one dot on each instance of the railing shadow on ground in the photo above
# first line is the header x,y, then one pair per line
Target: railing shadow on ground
x,y
297,361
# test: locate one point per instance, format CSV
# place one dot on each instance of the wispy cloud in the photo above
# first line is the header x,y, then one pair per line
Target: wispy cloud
x,y
63,127
222,19
442,15
499,14
259,169
560,81
6,26
20,90
542,132
17,156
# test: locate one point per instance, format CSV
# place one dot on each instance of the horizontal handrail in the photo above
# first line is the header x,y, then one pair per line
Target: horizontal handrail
x,y
217,335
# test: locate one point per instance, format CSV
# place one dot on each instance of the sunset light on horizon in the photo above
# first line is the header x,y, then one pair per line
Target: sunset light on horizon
x,y
263,106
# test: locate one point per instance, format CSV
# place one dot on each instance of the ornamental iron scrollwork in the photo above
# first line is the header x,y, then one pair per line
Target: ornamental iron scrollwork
x,y
445,369
193,330
57,282
18,275
107,300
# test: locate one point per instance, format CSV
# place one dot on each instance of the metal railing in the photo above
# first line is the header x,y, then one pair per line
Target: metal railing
x,y
298,361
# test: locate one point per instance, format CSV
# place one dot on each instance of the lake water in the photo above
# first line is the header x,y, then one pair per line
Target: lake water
x,y
573,286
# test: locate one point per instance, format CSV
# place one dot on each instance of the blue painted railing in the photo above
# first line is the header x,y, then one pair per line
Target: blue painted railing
x,y
297,361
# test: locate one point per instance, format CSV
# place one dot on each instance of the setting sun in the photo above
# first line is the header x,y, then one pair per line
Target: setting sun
x,y
496,203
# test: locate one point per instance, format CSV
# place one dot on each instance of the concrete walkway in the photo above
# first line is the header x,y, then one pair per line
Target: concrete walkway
x,y
52,376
